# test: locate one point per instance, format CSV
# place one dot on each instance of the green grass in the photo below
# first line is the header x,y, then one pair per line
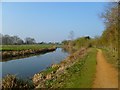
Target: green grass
x,y
23,47
49,70
80,75
83,76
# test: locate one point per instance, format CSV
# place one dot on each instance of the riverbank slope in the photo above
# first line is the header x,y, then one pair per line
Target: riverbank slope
x,y
11,51
71,73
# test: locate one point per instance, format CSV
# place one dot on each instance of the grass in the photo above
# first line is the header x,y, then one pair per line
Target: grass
x,y
24,47
80,75
111,57
12,82
49,70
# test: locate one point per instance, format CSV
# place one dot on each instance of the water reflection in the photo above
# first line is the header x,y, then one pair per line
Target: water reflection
x,y
27,67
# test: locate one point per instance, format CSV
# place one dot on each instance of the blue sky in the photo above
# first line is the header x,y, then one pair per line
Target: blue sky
x,y
52,21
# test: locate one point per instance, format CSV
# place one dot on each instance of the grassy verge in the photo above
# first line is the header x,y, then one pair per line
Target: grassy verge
x,y
24,47
111,57
80,75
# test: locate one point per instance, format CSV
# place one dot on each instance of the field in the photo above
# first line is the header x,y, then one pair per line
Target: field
x,y
24,47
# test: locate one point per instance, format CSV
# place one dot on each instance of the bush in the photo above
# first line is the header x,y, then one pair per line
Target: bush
x,y
11,81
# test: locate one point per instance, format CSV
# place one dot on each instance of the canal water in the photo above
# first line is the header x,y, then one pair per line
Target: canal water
x,y
27,67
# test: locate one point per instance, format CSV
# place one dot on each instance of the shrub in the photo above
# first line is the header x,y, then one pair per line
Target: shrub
x,y
11,81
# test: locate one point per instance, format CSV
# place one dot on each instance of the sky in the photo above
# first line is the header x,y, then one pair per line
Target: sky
x,y
52,21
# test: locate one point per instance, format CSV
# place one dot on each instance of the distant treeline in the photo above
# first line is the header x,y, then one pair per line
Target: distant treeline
x,y
12,40
16,40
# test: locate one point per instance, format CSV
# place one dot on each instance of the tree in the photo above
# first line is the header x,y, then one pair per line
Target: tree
x,y
29,40
9,40
17,40
110,18
0,39
71,35
110,15
20,41
6,39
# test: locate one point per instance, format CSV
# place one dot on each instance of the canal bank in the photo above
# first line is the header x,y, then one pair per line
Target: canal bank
x,y
27,67
6,55
56,74
77,70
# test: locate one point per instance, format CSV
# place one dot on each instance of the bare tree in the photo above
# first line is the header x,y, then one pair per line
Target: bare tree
x,y
71,37
6,39
17,40
13,40
0,39
29,40
110,15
